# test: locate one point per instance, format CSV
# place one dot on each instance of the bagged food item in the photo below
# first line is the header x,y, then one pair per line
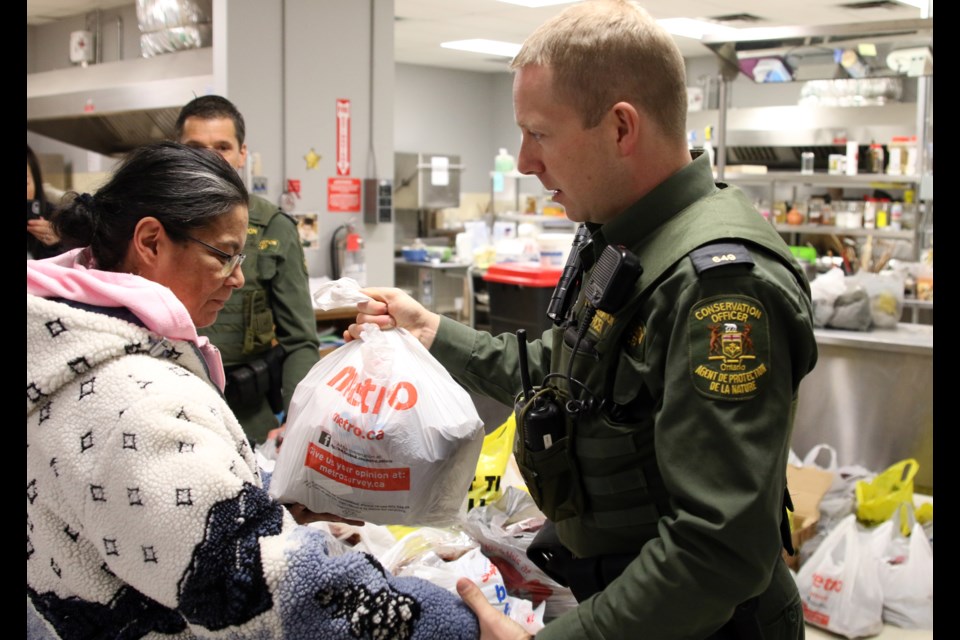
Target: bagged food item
x,y
905,568
878,498
824,291
851,309
885,291
379,431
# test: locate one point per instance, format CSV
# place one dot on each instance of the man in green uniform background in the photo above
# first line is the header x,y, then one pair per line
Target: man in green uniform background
x,y
658,438
267,331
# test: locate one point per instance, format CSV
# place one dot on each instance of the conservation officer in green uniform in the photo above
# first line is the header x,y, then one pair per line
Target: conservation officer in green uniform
x,y
668,393
266,333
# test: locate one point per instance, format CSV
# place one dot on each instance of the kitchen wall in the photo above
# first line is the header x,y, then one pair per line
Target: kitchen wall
x,y
286,63
48,45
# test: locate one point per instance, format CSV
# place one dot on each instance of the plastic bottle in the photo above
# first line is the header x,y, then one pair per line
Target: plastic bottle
x,y
708,144
503,162
876,158
896,216
502,165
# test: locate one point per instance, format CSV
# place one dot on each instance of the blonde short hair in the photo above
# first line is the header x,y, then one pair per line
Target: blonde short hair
x,y
606,51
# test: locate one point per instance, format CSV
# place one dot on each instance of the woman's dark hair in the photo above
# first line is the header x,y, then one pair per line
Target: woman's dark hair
x,y
182,187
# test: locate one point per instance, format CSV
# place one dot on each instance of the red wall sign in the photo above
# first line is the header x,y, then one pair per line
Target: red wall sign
x,y
343,194
343,137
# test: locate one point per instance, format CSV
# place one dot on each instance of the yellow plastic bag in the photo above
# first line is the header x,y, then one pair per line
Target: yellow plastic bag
x,y
492,464
880,497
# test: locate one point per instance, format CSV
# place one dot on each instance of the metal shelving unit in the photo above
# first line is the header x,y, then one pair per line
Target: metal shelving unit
x,y
807,53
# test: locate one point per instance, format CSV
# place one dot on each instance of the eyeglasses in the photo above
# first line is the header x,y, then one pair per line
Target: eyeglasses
x,y
230,263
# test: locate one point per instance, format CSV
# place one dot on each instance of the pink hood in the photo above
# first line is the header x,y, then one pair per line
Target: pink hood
x,y
70,276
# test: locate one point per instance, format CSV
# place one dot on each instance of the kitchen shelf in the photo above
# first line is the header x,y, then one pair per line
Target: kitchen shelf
x,y
819,229
545,221
859,181
771,180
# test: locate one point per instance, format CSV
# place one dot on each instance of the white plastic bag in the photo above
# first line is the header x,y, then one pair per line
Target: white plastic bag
x,y
443,557
905,568
824,291
505,529
379,431
838,585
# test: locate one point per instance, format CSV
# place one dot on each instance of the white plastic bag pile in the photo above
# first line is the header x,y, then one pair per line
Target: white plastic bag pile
x,y
444,555
857,577
860,578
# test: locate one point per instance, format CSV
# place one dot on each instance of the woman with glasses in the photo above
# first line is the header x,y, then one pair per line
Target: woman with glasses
x,y
146,512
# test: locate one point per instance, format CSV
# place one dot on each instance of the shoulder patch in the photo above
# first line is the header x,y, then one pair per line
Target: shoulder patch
x,y
719,254
729,347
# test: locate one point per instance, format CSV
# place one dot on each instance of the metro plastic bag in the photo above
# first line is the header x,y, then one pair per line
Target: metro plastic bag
x,y
905,570
379,431
880,497
839,585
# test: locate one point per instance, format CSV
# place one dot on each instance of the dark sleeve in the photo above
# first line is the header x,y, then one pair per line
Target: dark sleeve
x,y
291,303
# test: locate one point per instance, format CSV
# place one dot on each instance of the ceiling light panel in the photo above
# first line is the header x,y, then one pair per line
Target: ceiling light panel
x,y
536,4
482,45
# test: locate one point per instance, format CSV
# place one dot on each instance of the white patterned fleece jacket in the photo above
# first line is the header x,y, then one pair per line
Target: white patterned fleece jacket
x,y
147,516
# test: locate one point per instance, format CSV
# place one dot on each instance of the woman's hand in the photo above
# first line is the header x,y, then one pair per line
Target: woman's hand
x,y
304,516
493,624
277,435
393,307
43,231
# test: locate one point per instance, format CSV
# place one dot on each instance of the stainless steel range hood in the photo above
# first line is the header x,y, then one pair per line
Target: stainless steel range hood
x,y
858,50
114,107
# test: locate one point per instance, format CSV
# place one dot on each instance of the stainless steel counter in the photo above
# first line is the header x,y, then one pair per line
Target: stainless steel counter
x,y
871,398
906,338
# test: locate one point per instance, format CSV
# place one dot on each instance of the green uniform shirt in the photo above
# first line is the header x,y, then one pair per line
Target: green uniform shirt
x,y
685,465
275,269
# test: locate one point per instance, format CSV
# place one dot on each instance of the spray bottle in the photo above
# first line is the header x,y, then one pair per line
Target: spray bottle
x,y
503,190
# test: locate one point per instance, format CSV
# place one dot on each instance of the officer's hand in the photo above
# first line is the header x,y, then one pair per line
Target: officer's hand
x,y
493,624
304,516
393,307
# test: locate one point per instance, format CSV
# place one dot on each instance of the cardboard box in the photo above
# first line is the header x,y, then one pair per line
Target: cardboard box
x,y
807,486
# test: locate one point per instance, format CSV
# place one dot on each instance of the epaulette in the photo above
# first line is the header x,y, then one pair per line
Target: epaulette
x,y
720,254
